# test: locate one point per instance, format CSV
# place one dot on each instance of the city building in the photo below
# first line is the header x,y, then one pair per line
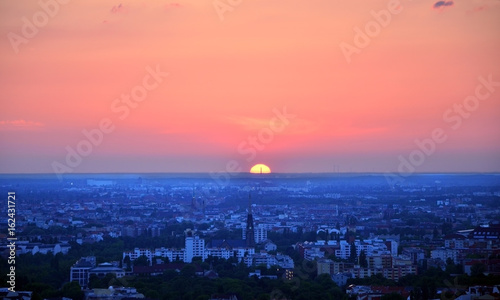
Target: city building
x,y
260,233
194,247
416,255
114,293
490,232
106,268
444,254
370,247
86,267
79,272
270,246
341,278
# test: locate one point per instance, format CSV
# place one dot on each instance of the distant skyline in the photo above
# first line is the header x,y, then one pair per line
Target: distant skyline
x,y
213,86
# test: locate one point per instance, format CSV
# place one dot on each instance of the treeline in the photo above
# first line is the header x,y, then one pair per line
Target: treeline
x,y
46,275
186,286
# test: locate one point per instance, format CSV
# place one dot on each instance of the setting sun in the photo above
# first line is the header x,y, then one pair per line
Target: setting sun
x,y
260,168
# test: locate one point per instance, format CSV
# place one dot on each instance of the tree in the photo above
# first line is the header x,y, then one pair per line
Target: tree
x,y
477,270
197,260
109,279
417,293
363,262
452,268
449,261
325,280
141,261
73,290
126,260
95,282
188,271
353,256
54,262
40,288
392,296
152,294
447,228
169,274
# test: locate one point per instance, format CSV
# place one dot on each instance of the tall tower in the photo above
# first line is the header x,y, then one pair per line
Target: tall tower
x,y
250,232
193,202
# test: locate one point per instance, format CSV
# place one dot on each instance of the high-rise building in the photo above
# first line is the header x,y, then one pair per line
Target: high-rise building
x,y
194,246
250,231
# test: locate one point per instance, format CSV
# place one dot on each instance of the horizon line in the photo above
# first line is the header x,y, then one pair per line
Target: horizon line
x,y
259,174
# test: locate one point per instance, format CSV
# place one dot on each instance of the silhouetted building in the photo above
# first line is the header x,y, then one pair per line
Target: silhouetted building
x,y
491,232
250,231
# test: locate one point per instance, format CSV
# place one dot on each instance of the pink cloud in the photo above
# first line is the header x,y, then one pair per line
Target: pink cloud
x,y
172,6
487,5
480,8
20,125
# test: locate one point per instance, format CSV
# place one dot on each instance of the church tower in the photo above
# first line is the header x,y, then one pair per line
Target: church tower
x,y
250,232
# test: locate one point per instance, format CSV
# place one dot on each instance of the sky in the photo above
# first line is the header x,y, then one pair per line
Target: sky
x,y
221,85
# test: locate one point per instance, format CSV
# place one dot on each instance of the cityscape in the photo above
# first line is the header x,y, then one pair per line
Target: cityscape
x,y
250,150
276,236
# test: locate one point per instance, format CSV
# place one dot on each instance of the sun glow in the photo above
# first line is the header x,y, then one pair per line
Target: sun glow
x,y
260,169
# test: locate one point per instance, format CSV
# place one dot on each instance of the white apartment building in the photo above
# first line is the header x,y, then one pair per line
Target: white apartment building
x,y
370,248
194,246
444,254
138,252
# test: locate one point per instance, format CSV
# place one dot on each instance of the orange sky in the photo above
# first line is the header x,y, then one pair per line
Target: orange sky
x,y
230,70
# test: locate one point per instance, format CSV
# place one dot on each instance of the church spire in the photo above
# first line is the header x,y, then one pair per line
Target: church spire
x,y
250,232
249,203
